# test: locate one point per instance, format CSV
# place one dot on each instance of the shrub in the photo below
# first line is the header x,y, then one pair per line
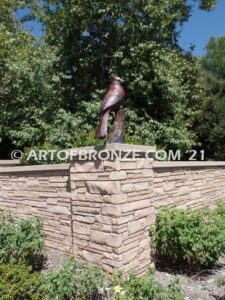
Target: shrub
x,y
18,282
189,238
146,288
21,240
74,281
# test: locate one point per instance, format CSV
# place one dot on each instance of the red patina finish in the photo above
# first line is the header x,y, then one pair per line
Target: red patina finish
x,y
111,102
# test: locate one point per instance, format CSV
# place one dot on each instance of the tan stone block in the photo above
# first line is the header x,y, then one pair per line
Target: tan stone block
x,y
151,219
112,240
131,255
148,173
182,191
40,204
80,183
83,176
159,190
102,227
87,210
135,175
84,219
108,269
118,175
196,195
145,255
104,187
122,220
87,166
126,188
119,230
127,247
110,165
33,182
164,202
64,194
59,210
56,245
144,245
142,186
81,228
91,257
142,213
103,219
88,204
52,201
111,210
133,206
135,226
168,186
143,163
112,256
94,197
113,263
139,196
117,199
102,248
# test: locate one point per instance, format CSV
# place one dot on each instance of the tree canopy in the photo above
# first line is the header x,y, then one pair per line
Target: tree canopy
x,y
50,89
211,123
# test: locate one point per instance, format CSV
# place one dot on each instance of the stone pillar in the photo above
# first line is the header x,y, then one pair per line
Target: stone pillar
x,y
112,209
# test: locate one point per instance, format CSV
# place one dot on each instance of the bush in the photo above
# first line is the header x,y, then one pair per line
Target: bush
x,y
73,281
189,238
79,281
18,282
21,240
146,288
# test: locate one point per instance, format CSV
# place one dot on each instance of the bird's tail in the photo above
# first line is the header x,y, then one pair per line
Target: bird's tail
x,y
101,131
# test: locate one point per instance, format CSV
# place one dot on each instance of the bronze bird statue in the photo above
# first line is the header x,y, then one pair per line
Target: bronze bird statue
x,y
112,101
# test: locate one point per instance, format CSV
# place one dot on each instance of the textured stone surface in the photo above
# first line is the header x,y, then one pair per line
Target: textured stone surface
x,y
101,210
41,194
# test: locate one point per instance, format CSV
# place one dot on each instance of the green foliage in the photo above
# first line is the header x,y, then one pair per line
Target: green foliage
x,y
183,237
213,60
78,281
18,282
21,240
73,281
50,90
145,288
43,155
210,125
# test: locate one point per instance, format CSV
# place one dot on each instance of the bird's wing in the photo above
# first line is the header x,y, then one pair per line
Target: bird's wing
x,y
111,100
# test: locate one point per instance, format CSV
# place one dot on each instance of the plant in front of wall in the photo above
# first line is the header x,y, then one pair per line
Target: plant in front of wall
x,y
18,282
188,238
146,287
21,240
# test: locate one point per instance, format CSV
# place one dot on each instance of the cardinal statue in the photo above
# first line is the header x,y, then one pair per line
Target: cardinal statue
x,y
111,102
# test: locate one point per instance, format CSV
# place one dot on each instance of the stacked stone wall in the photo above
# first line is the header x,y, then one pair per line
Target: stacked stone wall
x,y
101,210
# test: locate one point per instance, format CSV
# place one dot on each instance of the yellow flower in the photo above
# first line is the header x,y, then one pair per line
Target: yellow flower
x,y
117,289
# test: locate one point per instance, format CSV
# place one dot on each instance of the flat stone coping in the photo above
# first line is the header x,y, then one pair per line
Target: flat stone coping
x,y
115,147
39,168
7,163
188,164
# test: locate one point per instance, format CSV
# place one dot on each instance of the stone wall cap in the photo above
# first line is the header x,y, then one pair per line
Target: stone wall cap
x,y
35,168
115,147
8,163
186,164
